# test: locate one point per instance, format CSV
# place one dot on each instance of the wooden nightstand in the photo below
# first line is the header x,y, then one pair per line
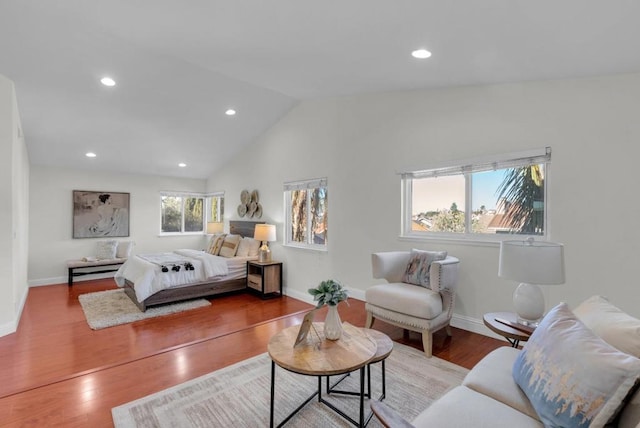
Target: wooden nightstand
x,y
265,278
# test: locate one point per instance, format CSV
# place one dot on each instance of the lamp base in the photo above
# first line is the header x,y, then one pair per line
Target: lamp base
x,y
528,302
264,254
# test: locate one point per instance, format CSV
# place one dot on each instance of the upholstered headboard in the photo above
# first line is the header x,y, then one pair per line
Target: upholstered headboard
x,y
243,228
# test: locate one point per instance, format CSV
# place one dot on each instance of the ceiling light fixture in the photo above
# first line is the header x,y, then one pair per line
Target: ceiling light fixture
x,y
230,112
108,81
182,164
91,155
421,54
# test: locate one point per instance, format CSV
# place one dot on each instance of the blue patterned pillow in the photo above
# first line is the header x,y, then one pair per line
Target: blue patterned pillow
x,y
417,271
571,376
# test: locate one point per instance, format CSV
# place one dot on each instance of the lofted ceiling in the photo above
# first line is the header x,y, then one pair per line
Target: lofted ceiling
x,y
179,65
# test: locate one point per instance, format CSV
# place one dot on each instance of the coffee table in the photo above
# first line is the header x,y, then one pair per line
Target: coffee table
x,y
319,357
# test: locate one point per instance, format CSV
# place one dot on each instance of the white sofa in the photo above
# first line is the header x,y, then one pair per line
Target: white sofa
x,y
490,397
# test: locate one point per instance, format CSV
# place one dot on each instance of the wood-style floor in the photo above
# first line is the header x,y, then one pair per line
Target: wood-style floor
x,y
56,371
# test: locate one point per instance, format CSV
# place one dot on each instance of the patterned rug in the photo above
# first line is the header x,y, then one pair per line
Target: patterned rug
x,y
113,307
239,395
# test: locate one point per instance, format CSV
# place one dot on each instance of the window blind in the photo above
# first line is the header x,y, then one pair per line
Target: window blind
x,y
512,160
305,184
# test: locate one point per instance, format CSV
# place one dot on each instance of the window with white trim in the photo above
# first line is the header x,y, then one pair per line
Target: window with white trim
x,y
187,213
306,213
479,199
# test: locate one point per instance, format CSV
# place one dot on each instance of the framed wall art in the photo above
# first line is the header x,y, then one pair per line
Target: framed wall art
x,y
100,214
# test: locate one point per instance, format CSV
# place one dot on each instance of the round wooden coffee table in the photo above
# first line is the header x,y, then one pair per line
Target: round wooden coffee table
x,y
319,357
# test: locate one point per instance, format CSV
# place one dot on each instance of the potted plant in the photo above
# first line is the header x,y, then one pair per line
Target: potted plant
x,y
330,293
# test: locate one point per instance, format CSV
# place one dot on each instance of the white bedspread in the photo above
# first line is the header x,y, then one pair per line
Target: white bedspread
x,y
145,270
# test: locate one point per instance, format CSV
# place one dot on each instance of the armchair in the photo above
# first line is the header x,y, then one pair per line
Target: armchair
x,y
412,307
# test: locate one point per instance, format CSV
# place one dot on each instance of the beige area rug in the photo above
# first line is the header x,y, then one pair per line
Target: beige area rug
x,y
239,395
113,307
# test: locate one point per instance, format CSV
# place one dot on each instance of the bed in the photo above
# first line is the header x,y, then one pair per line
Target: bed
x,y
156,279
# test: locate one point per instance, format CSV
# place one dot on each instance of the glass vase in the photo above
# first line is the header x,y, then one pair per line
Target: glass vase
x,y
333,324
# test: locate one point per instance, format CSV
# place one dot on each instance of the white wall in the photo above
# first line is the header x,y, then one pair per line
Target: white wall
x,y
51,242
14,213
360,142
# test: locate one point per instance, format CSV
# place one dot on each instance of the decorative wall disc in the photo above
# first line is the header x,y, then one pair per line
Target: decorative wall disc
x,y
245,197
258,213
254,196
242,210
252,208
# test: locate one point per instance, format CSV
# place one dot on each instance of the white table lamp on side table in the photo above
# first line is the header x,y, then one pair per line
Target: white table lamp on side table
x,y
531,263
265,233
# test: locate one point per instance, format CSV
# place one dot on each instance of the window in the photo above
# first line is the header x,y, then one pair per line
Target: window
x,y
481,199
188,212
306,213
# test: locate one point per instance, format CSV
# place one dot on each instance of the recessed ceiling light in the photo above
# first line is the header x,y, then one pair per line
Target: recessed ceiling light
x,y
230,112
91,155
182,164
421,54
108,81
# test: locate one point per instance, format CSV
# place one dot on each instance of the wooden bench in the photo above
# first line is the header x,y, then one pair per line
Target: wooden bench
x,y
81,267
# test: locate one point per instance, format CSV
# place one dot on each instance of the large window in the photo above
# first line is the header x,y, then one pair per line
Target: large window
x,y
306,213
481,199
188,212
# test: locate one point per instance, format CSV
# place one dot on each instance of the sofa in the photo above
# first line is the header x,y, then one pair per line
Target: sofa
x,y
584,371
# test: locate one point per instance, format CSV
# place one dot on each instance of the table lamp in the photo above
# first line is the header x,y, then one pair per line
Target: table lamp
x,y
214,227
531,263
265,233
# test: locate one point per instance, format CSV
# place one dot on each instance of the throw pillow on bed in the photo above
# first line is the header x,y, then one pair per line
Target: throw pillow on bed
x,y
230,245
216,244
417,271
248,247
106,249
572,377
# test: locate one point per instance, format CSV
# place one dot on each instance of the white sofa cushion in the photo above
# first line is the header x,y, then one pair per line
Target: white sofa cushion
x,y
408,299
571,376
614,326
492,376
463,407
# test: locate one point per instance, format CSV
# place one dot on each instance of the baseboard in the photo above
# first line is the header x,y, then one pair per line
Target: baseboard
x,y
8,328
65,279
463,322
473,325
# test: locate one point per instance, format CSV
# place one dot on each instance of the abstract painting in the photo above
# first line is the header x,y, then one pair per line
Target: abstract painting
x,y
100,214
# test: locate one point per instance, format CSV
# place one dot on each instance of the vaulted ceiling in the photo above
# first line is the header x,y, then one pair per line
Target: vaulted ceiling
x,y
179,65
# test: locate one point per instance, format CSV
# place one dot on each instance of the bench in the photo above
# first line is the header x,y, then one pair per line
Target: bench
x,y
81,267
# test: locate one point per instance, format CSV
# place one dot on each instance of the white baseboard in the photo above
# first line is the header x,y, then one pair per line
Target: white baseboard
x,y
8,328
65,279
463,322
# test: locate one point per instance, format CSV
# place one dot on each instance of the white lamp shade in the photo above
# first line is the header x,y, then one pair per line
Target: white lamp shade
x,y
265,232
533,262
214,227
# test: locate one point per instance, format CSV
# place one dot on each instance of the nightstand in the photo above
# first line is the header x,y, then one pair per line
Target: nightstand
x,y
265,278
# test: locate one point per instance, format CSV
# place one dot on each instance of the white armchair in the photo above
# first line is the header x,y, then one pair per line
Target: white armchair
x,y
412,307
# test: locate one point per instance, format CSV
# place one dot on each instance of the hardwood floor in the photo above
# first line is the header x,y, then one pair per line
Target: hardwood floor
x,y
56,371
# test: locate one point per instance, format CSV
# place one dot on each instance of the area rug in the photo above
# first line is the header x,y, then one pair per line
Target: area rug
x,y
239,395
113,307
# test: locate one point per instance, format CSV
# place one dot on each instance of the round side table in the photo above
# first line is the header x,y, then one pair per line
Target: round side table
x,y
506,325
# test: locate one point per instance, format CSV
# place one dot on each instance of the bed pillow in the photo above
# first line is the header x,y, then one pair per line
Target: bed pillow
x,y
216,243
248,247
106,249
417,271
571,376
613,325
123,249
230,245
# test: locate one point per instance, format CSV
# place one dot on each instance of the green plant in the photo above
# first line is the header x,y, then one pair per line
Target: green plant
x,y
329,292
